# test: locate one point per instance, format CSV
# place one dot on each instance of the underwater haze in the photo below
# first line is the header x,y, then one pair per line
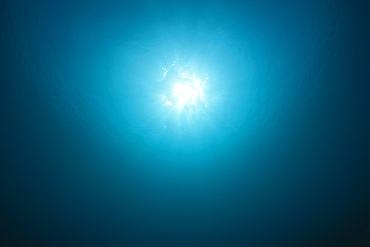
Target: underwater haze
x,y
185,123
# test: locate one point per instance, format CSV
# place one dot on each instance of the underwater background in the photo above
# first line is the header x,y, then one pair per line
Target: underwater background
x,y
185,123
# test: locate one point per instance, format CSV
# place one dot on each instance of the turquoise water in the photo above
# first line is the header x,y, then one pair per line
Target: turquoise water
x,y
184,123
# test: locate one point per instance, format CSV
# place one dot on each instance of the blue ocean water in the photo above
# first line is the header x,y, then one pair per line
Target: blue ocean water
x,y
185,123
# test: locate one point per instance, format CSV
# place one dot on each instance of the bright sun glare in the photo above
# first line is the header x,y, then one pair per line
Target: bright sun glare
x,y
187,92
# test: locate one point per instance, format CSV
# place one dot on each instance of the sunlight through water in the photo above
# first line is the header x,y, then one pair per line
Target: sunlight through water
x,y
186,90
188,93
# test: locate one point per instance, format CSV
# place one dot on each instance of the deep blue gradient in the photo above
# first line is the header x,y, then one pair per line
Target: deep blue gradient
x,y
100,147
